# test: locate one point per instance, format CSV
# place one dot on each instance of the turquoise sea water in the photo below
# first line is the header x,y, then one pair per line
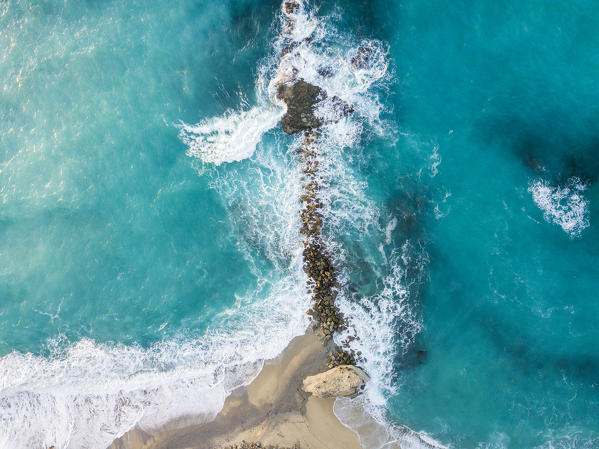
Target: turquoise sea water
x,y
142,266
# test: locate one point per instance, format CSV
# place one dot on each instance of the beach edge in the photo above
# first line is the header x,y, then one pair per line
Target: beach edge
x,y
272,410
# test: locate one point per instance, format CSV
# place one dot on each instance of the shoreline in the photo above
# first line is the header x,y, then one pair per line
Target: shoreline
x,y
272,410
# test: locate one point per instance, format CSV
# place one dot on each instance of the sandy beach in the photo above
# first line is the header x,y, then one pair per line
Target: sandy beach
x,y
272,410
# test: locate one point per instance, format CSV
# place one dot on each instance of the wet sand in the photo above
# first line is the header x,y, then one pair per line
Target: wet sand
x,y
272,410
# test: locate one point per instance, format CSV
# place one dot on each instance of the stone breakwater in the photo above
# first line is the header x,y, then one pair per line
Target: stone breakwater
x,y
322,274
301,99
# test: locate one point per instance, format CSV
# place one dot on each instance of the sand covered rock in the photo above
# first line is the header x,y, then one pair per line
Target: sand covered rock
x,y
300,98
344,380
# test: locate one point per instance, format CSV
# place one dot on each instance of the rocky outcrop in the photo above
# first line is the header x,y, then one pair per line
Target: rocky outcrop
x,y
345,380
363,58
300,98
290,7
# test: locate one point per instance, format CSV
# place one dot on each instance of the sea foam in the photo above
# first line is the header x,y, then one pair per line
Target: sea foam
x,y
231,137
563,205
84,394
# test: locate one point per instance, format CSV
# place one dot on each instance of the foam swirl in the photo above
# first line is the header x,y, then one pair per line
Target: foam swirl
x,y
562,205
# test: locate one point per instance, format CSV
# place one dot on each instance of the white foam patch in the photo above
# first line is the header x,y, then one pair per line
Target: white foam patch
x,y
374,431
379,345
389,308
570,437
231,137
563,205
435,159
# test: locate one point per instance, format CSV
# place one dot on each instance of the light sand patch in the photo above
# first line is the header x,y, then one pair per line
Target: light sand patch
x,y
272,410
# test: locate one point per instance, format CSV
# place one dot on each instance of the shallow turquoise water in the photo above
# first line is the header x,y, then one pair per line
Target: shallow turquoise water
x,y
107,230
473,291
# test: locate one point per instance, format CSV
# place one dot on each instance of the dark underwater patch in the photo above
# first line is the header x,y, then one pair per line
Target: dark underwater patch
x,y
552,145
530,358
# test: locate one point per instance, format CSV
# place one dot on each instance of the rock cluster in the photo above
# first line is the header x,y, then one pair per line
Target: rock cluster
x,y
341,357
322,276
300,98
345,380
290,7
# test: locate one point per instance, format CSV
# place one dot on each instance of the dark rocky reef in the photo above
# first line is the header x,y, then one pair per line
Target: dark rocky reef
x,y
362,59
300,98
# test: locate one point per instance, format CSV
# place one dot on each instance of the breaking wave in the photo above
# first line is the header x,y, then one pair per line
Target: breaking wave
x,y
384,320
356,73
231,137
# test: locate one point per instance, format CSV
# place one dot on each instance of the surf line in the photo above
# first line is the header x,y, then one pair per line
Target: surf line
x,y
302,99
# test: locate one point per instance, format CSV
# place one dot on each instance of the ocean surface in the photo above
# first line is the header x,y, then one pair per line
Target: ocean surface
x,y
150,253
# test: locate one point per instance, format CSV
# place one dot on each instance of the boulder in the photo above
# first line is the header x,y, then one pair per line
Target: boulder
x,y
344,380
300,98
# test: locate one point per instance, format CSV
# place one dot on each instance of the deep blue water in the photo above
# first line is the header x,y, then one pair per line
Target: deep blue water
x,y
135,265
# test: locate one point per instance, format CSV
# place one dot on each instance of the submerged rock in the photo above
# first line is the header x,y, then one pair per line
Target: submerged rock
x,y
334,109
363,58
345,380
300,98
290,48
291,7
325,72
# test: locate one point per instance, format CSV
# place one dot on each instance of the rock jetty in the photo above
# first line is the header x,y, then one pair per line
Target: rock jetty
x,y
322,282
302,99
345,380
